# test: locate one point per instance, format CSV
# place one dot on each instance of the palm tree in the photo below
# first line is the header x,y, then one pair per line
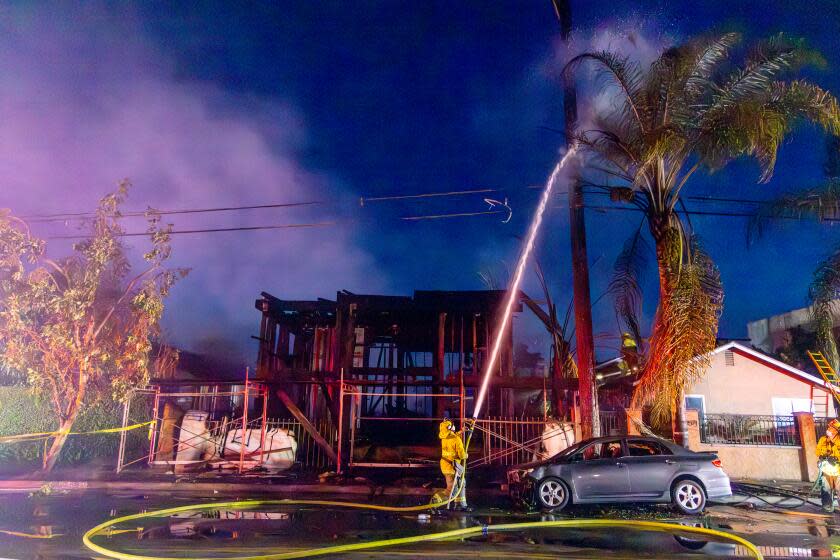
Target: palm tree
x,y
698,106
822,204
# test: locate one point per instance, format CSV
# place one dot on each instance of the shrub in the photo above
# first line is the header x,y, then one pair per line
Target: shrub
x,y
23,413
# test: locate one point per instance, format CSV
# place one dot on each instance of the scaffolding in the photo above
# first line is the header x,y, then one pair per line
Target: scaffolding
x,y
501,440
235,407
356,393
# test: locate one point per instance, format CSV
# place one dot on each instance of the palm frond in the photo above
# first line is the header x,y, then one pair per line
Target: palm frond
x,y
802,100
625,286
755,82
627,75
665,143
757,128
563,362
766,60
685,333
608,146
823,292
710,54
779,44
821,204
745,85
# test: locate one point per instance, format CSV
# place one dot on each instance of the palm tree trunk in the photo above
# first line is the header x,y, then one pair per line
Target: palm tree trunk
x,y
667,240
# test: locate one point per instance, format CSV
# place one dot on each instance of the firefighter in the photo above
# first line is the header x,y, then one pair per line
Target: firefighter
x,y
453,458
828,452
629,354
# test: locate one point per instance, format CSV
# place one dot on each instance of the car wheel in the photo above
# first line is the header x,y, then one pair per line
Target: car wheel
x,y
552,494
688,496
690,544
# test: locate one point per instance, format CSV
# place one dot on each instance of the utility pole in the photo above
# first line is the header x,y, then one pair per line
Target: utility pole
x,y
580,264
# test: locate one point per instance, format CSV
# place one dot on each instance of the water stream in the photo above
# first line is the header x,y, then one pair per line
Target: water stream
x,y
513,289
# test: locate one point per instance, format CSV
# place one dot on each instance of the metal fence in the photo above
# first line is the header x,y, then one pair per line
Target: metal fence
x,y
613,422
506,441
309,454
745,429
820,425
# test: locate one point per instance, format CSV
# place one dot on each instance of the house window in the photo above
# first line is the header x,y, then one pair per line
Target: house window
x,y
729,358
696,402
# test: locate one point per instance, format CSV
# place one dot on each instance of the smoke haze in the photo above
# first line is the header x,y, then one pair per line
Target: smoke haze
x,y
86,100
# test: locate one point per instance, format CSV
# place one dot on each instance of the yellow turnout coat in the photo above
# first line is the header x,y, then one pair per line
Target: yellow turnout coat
x,y
451,448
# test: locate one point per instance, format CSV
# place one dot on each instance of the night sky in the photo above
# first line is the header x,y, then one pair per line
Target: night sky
x,y
221,104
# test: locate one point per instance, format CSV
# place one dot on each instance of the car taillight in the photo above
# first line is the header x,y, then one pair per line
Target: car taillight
x,y
717,463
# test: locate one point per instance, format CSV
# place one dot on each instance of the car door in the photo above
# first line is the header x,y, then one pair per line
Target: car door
x,y
651,467
599,472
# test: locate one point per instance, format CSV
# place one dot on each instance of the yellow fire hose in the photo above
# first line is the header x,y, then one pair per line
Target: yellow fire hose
x,y
453,534
443,535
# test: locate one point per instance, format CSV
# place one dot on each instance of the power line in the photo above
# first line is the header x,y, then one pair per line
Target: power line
x,y
60,217
363,199
67,216
458,215
705,213
208,230
704,198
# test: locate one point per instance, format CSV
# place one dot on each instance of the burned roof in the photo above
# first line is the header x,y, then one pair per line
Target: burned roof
x,y
423,301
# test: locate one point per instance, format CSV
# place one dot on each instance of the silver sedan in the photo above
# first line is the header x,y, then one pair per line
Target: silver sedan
x,y
621,469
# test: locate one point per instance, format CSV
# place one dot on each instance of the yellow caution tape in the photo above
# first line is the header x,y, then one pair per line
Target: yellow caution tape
x,y
352,547
45,435
30,535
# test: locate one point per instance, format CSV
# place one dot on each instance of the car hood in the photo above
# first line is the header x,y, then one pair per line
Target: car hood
x,y
531,465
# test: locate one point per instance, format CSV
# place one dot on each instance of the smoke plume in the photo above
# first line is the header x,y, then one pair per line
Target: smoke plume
x,y
87,99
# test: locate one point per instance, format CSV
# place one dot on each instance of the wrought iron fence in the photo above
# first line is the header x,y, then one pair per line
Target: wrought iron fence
x,y
745,429
613,422
820,426
507,441
309,454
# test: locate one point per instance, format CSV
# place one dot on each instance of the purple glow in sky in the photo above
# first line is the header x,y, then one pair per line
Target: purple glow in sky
x,y
86,100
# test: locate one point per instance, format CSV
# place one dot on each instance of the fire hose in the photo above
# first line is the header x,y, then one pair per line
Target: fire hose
x,y
383,543
512,296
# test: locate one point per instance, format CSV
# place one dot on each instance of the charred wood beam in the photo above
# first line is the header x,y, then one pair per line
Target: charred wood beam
x,y
307,425
470,381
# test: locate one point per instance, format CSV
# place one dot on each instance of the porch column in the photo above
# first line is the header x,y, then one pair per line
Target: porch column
x,y
692,434
808,437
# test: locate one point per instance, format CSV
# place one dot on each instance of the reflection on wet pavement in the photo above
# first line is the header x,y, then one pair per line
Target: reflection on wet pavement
x,y
52,526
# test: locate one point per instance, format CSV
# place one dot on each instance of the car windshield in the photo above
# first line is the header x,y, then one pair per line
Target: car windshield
x,y
569,450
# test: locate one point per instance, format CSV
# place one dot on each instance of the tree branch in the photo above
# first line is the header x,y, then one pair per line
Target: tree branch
x,y
92,336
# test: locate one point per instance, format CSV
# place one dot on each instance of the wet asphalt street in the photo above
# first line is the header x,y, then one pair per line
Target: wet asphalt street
x,y
52,527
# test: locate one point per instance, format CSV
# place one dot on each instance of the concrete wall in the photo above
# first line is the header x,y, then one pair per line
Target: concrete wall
x,y
747,387
762,462
757,462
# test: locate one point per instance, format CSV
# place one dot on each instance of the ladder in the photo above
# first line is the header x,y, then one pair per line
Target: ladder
x,y
831,382
819,399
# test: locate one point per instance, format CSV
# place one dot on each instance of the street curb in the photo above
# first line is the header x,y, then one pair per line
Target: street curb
x,y
211,488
